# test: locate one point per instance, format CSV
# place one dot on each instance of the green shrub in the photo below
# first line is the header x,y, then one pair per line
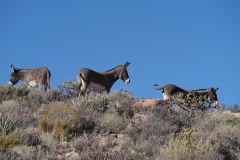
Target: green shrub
x,y
69,88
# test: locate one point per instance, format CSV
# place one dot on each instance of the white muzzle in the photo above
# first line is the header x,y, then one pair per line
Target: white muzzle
x,y
10,83
215,103
127,81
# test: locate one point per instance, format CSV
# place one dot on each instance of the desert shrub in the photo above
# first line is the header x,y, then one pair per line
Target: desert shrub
x,y
33,153
228,141
122,94
45,97
6,125
48,141
217,119
222,129
93,146
234,109
112,123
81,122
69,88
123,108
9,154
7,93
148,132
87,147
37,99
56,110
151,129
96,101
9,141
185,147
28,136
18,112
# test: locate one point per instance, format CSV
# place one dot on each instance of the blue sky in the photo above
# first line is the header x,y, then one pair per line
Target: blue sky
x,y
194,44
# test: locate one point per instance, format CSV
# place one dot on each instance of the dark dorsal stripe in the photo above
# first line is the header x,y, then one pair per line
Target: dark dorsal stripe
x,y
200,90
17,69
113,68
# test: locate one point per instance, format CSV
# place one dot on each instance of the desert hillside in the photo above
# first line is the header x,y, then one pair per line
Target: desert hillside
x,y
59,125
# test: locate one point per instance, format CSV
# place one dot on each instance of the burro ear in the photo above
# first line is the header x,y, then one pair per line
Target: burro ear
x,y
126,64
12,68
213,89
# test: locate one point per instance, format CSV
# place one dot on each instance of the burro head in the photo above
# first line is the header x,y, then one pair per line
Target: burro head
x,y
212,96
14,76
124,73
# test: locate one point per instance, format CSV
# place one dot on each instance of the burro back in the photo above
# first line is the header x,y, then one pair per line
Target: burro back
x,y
32,78
101,81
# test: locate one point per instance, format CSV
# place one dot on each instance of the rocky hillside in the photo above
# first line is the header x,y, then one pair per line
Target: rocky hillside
x,y
59,125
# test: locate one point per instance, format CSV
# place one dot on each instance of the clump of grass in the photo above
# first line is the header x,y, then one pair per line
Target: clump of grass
x,y
45,124
59,129
6,125
96,101
63,121
9,141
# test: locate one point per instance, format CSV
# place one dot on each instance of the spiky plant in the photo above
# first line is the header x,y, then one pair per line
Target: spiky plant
x,y
6,125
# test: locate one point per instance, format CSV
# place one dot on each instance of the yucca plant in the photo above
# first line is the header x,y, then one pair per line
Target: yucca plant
x,y
6,125
96,101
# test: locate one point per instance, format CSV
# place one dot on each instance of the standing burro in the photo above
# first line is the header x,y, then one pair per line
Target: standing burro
x,y
32,78
101,81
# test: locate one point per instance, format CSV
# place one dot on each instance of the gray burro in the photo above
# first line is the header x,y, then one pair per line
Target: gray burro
x,y
36,78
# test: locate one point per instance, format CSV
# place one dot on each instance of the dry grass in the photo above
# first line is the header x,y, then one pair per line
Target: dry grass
x,y
45,124
187,146
112,123
109,126
9,141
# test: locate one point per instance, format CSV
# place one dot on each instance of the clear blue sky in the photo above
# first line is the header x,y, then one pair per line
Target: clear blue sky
x,y
194,44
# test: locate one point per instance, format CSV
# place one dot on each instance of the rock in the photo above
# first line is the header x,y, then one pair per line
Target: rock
x,y
149,103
